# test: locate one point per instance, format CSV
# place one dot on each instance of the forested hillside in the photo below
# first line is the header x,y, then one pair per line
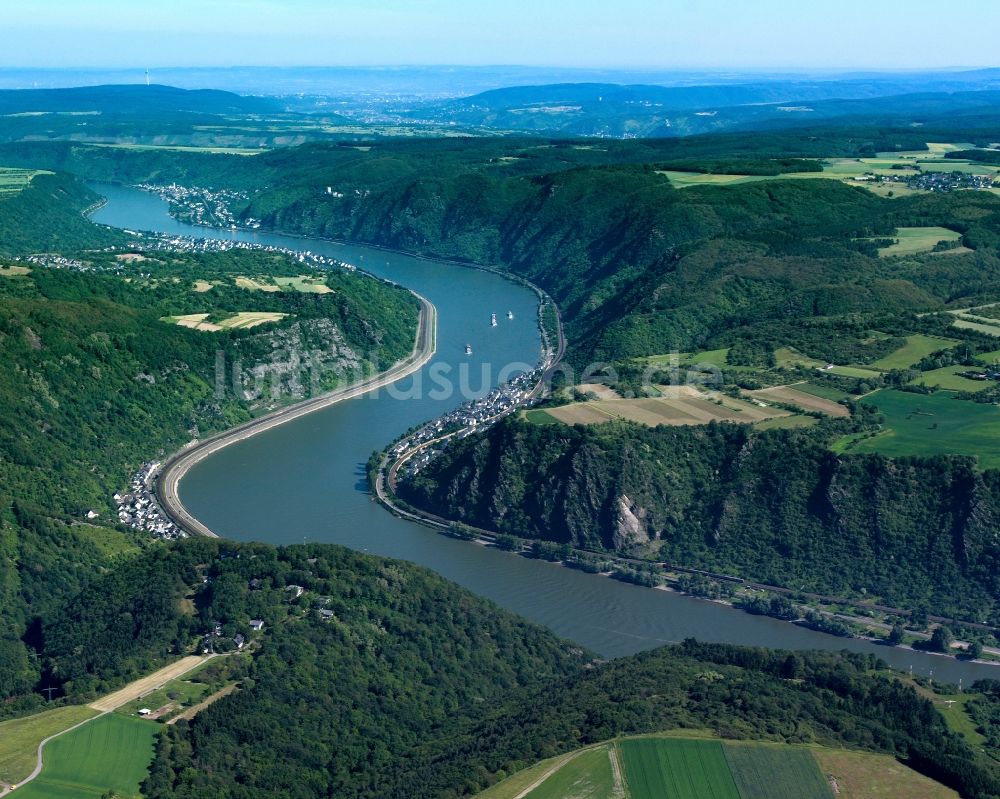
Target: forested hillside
x,y
46,216
95,380
637,266
778,507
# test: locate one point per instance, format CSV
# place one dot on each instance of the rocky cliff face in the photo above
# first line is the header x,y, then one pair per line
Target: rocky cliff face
x,y
776,507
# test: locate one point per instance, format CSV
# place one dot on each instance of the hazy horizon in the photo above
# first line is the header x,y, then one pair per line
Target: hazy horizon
x,y
715,35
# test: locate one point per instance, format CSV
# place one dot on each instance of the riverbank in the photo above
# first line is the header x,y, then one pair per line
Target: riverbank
x,y
167,487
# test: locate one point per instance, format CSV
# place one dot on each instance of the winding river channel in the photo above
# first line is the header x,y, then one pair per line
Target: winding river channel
x,y
304,480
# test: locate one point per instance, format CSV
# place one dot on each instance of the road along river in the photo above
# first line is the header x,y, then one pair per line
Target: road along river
x,y
305,479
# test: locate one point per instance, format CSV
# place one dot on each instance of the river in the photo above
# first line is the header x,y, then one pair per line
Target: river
x,y
304,481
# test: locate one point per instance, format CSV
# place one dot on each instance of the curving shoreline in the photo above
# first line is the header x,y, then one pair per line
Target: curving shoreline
x,y
167,488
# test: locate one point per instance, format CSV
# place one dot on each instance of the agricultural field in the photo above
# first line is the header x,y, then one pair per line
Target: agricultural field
x,y
674,768
770,771
14,271
917,348
914,240
111,753
789,395
680,405
13,180
19,738
177,148
201,286
787,422
241,321
932,424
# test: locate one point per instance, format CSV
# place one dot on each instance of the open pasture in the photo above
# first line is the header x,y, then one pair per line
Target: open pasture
x,y
914,240
933,424
917,348
861,775
950,378
789,395
111,753
14,271
258,284
787,358
853,371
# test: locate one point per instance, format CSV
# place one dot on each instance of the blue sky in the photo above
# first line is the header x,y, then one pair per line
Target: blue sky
x,y
756,34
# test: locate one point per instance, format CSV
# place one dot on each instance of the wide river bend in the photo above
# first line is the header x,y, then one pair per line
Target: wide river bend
x,y
304,480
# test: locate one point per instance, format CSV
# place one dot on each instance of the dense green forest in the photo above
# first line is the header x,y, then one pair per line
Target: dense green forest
x,y
389,681
46,216
93,383
777,507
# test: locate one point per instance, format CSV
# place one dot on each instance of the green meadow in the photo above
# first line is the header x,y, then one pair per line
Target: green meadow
x,y
917,348
111,753
933,424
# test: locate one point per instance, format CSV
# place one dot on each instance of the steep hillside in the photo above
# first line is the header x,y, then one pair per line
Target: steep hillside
x,y
777,507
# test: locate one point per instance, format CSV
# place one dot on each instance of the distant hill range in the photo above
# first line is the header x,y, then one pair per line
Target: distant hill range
x,y
132,99
607,109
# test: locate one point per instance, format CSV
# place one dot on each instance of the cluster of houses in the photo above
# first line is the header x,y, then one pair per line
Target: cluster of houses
x,y
210,641
936,181
162,243
472,416
203,206
139,509
991,373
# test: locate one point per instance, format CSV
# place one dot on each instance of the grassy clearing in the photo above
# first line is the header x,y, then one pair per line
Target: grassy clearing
x,y
538,416
516,784
304,284
787,358
14,271
763,771
251,284
981,326
917,348
674,768
949,378
19,738
110,542
109,753
860,775
913,240
853,371
989,358
201,286
933,424
586,776
787,422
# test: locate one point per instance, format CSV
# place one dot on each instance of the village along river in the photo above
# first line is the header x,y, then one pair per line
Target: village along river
x,y
305,481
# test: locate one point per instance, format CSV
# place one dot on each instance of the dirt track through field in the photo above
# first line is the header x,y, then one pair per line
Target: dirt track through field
x,y
151,682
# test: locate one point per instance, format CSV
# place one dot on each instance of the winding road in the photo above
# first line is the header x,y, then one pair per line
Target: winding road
x,y
173,471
